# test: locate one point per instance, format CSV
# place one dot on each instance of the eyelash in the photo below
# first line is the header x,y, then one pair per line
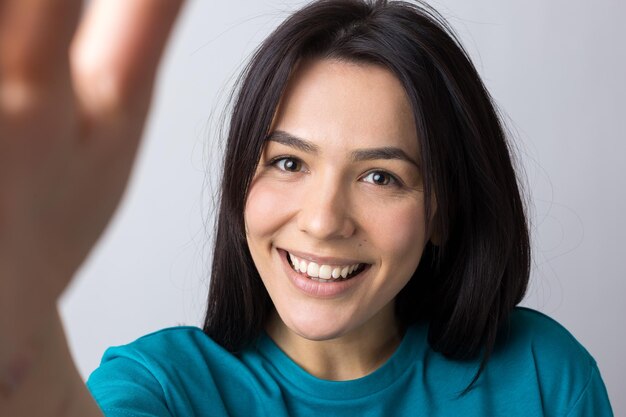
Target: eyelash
x,y
393,180
275,162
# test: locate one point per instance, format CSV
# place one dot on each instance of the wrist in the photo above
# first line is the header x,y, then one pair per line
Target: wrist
x,y
13,373
22,343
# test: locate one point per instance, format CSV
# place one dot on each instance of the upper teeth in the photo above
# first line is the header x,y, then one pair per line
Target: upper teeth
x,y
315,270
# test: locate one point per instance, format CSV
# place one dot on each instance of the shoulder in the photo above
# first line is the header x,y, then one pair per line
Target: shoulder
x,y
535,352
533,338
532,332
532,325
169,335
181,339
168,352
155,350
176,368
537,368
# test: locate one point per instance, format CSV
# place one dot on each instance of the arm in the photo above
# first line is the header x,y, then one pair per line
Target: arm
x,y
50,385
74,95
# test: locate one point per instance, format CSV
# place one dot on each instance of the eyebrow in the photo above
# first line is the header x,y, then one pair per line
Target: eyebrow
x,y
369,154
292,141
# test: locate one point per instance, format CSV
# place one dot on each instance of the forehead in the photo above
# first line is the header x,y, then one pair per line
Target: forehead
x,y
347,105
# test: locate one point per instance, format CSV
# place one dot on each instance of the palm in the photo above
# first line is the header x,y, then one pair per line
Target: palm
x,y
69,130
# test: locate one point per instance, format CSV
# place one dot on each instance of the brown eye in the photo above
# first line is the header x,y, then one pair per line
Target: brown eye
x,y
288,164
380,178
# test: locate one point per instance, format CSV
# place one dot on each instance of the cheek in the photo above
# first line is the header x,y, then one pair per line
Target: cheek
x,y
267,209
400,233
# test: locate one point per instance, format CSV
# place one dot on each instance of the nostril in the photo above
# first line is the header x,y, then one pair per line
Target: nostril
x,y
325,216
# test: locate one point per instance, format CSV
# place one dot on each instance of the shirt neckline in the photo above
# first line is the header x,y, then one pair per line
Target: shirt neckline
x,y
299,381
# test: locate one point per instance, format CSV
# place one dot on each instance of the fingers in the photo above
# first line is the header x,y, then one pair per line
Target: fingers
x,y
34,42
35,36
116,53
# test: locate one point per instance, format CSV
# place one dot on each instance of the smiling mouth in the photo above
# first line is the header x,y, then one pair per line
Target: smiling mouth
x,y
325,273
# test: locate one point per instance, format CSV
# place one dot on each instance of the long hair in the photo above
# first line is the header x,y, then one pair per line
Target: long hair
x,y
471,278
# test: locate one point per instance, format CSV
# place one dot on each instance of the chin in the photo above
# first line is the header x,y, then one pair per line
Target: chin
x,y
315,328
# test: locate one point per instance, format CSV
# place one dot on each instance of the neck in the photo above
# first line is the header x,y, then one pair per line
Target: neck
x,y
350,356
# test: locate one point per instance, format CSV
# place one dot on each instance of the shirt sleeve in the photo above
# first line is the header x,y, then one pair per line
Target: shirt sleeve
x,y
124,387
594,400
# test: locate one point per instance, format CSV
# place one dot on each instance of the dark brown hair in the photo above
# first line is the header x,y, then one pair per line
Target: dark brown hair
x,y
468,284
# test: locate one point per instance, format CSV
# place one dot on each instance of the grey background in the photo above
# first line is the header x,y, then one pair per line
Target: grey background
x,y
555,68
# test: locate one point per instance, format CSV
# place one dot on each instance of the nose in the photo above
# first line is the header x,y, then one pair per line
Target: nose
x,y
325,211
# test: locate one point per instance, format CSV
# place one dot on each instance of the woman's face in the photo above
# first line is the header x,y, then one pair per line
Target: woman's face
x,y
338,192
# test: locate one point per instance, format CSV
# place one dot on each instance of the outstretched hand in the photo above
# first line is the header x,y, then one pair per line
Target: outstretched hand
x,y
74,94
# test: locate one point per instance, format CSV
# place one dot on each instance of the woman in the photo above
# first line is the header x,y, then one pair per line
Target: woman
x,y
371,242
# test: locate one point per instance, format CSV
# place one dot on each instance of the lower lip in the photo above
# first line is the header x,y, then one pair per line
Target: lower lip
x,y
319,289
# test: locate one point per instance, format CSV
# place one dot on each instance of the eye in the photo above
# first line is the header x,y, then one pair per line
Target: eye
x,y
381,178
288,164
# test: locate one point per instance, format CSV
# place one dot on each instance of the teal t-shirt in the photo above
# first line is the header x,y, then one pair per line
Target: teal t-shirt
x,y
537,369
